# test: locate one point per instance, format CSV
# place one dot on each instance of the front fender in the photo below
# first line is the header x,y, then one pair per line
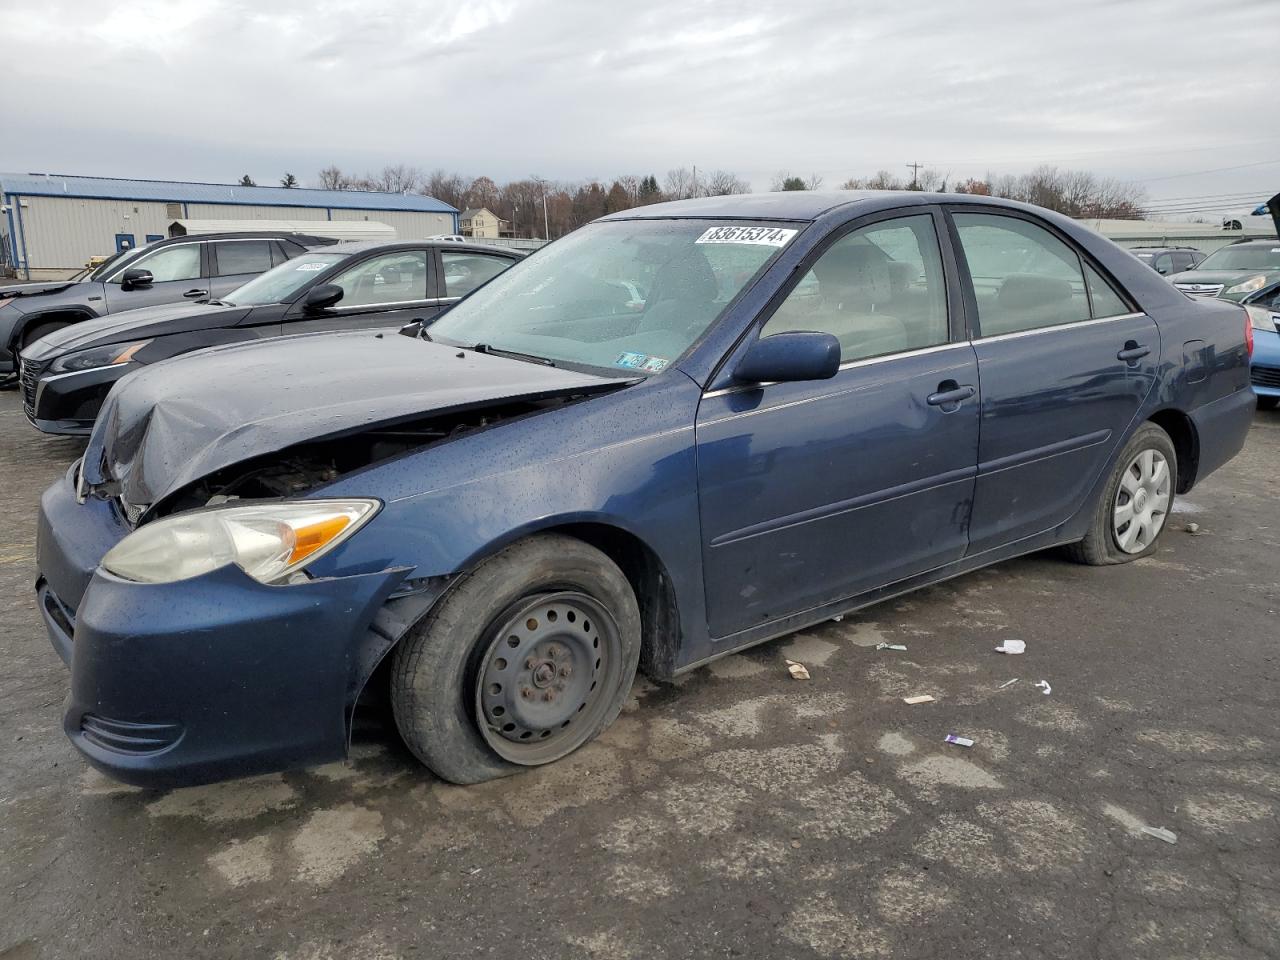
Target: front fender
x,y
624,460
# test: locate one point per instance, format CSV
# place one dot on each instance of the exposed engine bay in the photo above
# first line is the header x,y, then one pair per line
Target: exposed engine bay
x,y
295,470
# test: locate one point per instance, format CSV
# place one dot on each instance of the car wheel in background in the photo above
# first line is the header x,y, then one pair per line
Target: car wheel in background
x,y
528,657
39,330
1268,403
1135,504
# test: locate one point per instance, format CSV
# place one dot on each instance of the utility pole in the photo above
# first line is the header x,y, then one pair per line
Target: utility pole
x,y
695,180
915,174
546,228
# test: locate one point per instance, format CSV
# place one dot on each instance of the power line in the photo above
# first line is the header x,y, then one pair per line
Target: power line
x,y
1003,161
1196,173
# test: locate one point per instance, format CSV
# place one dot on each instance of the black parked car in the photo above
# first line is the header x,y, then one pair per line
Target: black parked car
x,y
167,271
67,374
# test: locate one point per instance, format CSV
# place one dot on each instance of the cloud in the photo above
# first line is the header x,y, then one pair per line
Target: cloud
x,y
210,90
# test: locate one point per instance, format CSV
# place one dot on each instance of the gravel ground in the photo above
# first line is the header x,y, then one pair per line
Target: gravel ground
x,y
736,812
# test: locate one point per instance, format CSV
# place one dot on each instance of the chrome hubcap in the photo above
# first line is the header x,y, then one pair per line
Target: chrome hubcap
x,y
1142,501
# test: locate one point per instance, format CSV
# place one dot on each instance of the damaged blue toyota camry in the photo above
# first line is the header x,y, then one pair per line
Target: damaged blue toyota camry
x,y
677,432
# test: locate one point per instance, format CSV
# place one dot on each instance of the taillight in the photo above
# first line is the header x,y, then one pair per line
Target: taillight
x,y
1248,334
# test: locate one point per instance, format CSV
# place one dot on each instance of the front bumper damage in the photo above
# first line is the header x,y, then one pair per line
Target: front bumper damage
x,y
214,677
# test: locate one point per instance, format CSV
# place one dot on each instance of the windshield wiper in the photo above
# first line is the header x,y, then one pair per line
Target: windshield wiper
x,y
513,354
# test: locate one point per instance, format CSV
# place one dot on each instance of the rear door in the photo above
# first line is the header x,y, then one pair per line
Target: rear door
x,y
178,273
234,262
814,492
1065,362
462,271
383,290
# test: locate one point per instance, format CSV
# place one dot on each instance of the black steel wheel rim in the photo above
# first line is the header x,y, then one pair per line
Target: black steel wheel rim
x,y
549,672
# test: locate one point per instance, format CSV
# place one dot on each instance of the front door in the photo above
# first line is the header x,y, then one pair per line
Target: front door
x,y
815,492
177,274
1065,363
386,290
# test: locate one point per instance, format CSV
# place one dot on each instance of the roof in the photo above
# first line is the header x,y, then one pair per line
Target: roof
x,y
785,205
336,229
472,211
173,191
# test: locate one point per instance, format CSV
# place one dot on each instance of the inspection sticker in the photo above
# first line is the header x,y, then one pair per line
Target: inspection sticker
x,y
641,361
309,267
762,236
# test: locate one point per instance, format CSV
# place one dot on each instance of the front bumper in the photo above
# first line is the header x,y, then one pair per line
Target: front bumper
x,y
214,677
1264,368
68,403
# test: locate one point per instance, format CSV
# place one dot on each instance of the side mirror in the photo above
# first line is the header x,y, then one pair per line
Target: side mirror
x,y
325,295
792,356
135,278
413,328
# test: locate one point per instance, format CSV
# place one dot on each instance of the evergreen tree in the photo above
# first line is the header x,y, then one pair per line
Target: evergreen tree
x,y
289,181
247,181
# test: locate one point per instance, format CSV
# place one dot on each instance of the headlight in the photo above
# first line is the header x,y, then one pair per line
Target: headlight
x,y
1248,286
99,357
268,541
1261,318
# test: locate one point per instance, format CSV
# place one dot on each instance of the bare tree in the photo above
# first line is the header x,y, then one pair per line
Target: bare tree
x,y
449,188
719,183
814,181
400,178
679,184
331,178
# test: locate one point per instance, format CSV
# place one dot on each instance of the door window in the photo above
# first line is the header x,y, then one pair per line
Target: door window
x,y
1106,302
1024,277
391,278
878,290
1164,263
463,272
235,257
181,262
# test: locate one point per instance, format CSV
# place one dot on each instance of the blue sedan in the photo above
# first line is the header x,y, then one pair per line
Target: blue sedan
x,y
680,431
1264,311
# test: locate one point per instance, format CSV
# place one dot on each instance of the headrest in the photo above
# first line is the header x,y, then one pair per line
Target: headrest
x,y
856,274
1026,291
688,278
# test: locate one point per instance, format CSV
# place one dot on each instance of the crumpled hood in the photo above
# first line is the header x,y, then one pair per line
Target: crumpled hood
x,y
134,325
167,425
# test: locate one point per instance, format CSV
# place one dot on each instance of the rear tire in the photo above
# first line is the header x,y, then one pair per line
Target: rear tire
x,y
1268,403
528,657
1135,503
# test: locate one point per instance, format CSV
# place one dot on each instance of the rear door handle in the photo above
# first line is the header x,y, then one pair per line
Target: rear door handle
x,y
949,393
196,294
1133,352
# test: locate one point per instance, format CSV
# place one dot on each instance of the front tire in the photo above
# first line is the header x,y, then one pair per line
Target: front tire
x,y
1135,504
35,333
528,657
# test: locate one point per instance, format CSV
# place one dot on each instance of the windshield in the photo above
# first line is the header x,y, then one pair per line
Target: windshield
x,y
628,295
1260,257
280,283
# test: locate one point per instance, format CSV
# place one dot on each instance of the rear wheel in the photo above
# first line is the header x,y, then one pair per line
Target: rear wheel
x,y
1135,504
1268,403
526,659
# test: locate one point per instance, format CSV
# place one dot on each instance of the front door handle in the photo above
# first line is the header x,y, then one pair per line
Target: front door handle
x,y
196,294
950,394
1133,352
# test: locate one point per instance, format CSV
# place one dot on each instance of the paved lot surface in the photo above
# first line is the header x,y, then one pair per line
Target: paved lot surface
x,y
737,813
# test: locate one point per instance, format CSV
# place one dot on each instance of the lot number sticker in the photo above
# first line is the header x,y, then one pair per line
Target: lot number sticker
x,y
762,236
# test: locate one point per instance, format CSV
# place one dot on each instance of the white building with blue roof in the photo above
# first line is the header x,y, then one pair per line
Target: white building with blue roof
x,y
51,225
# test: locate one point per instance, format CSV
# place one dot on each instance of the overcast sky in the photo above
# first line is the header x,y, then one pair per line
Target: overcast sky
x,y
1152,91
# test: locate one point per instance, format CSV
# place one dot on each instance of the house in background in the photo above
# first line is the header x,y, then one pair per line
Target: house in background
x,y
483,224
